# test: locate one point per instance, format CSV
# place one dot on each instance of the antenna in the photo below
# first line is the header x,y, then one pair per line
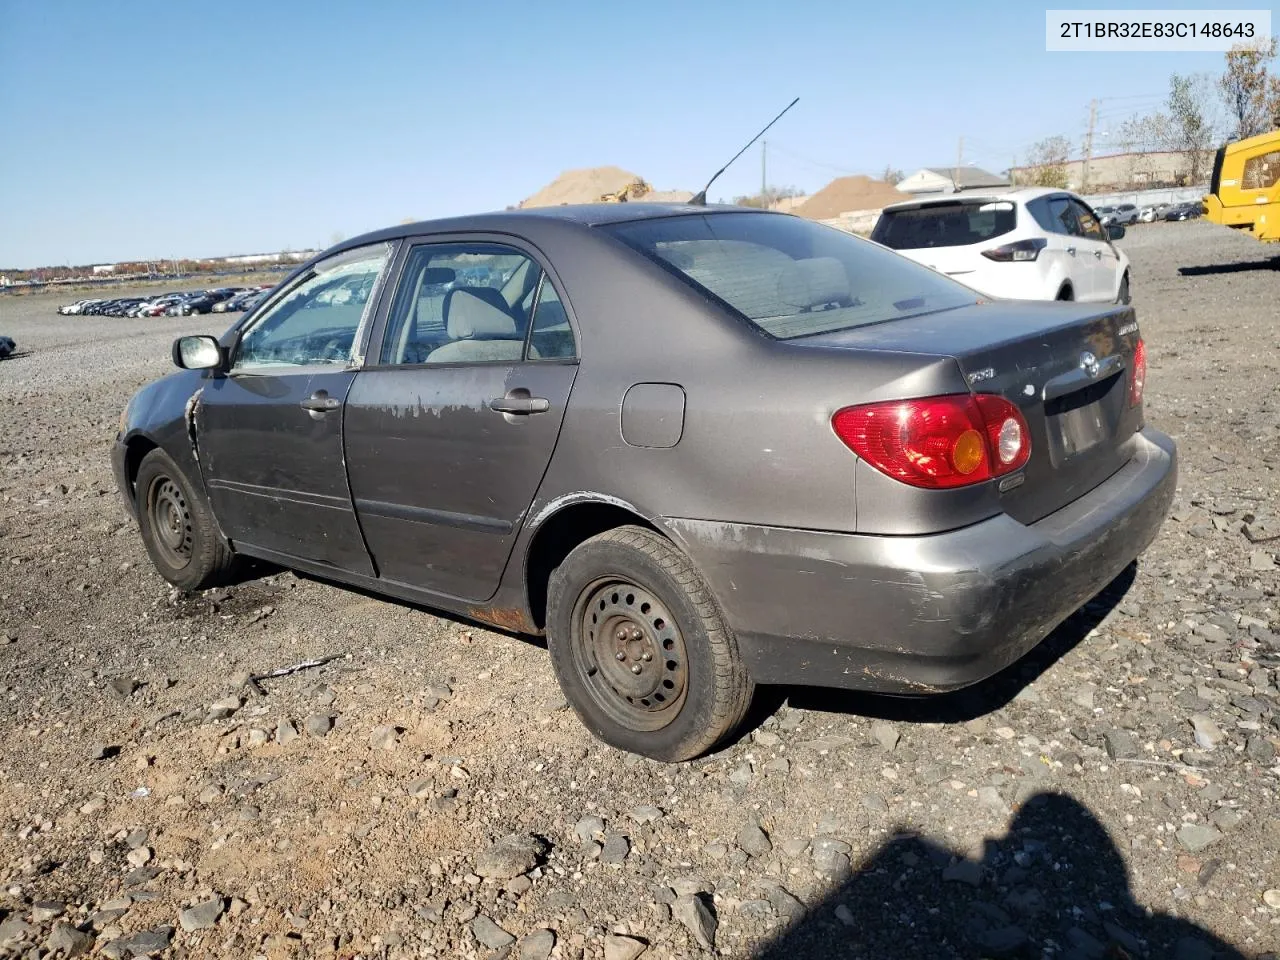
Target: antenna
x,y
701,199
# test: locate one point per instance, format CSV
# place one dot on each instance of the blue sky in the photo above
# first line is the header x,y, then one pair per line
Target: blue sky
x,y
164,129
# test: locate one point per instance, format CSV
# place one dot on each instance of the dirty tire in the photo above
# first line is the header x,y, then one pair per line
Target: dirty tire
x,y
714,689
1123,296
177,526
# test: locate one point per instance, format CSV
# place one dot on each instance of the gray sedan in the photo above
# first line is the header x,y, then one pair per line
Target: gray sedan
x,y
697,448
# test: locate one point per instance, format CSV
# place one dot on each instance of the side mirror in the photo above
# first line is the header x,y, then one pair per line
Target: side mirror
x,y
197,353
1114,231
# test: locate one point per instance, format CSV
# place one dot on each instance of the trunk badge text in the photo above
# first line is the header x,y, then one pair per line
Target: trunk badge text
x,y
987,373
1089,364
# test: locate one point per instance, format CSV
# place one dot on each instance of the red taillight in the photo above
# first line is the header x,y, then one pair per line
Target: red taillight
x,y
1139,378
1018,251
938,442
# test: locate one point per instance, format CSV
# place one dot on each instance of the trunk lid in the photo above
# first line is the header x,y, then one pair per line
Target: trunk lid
x,y
1067,367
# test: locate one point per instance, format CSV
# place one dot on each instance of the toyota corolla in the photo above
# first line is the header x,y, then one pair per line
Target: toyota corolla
x,y
698,448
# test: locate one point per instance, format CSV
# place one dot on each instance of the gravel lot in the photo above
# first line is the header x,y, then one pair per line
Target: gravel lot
x,y
428,794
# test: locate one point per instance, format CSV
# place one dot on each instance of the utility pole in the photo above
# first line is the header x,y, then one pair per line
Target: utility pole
x,y
1088,145
955,178
764,149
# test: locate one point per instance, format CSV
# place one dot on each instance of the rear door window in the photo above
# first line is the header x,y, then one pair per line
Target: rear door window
x,y
945,225
461,303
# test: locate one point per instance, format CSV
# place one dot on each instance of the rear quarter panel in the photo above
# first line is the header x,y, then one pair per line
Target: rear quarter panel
x,y
756,446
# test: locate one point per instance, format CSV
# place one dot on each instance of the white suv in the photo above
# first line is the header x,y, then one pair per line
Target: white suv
x,y
1028,244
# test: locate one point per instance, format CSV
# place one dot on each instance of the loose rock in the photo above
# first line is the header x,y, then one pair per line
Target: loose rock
x,y
490,934
202,915
696,916
510,857
623,948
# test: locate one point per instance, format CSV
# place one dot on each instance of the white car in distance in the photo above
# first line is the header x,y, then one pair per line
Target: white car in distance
x,y
1028,244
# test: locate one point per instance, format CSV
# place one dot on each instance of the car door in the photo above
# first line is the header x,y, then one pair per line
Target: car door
x,y
1062,250
449,434
269,433
1099,258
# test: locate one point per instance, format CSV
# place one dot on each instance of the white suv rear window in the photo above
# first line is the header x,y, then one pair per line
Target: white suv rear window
x,y
945,224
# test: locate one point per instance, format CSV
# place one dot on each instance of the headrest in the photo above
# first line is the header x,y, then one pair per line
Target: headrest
x,y
814,282
477,312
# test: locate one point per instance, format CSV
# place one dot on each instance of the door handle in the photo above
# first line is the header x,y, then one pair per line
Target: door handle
x,y
320,402
519,404
1097,254
1071,250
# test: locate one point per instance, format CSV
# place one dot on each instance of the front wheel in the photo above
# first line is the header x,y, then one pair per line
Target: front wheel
x,y
640,649
177,526
1123,296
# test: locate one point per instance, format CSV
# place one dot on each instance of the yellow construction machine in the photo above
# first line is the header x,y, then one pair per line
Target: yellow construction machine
x,y
1245,193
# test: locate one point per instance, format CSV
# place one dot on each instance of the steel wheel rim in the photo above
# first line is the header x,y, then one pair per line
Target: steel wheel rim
x,y
170,522
630,654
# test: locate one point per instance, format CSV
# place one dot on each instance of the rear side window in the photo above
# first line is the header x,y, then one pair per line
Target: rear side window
x,y
791,277
1040,212
945,225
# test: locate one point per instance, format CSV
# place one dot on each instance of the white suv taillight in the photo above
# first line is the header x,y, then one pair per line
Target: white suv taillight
x,y
1020,250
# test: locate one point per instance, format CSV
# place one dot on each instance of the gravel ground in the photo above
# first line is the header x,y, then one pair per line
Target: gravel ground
x,y
427,793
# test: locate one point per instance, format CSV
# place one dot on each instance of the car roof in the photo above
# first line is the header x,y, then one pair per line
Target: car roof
x,y
586,214
1020,195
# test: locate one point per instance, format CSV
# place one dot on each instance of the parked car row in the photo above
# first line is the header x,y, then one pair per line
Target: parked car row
x,y
177,304
1128,213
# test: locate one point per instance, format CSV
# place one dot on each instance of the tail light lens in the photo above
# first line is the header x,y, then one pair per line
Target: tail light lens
x,y
1139,378
938,442
1021,250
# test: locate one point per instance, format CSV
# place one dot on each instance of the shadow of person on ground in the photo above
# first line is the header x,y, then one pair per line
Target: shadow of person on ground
x,y
1054,886
984,697
1215,268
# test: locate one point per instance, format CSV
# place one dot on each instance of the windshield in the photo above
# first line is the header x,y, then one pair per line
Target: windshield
x,y
788,276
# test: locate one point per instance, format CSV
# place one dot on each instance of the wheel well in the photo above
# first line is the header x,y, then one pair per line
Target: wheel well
x,y
135,451
1066,291
557,537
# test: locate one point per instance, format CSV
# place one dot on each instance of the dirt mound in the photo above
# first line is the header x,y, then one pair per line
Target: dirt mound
x,y
666,196
586,186
849,193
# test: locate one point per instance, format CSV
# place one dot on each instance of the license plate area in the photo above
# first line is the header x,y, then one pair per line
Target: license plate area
x,y
1081,420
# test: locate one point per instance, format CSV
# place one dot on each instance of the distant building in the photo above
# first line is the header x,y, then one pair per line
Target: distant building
x,y
950,180
103,269
1118,171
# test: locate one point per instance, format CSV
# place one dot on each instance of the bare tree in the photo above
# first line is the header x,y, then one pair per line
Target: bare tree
x,y
1191,126
1047,162
1250,91
892,175
1186,126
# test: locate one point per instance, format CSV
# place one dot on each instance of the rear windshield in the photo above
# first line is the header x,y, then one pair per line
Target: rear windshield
x,y
788,276
945,225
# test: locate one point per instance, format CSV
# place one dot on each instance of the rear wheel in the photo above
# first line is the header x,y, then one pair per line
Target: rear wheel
x,y
1065,293
177,526
1123,295
640,648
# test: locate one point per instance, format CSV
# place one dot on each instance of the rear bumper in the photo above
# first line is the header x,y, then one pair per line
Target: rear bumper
x,y
925,614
